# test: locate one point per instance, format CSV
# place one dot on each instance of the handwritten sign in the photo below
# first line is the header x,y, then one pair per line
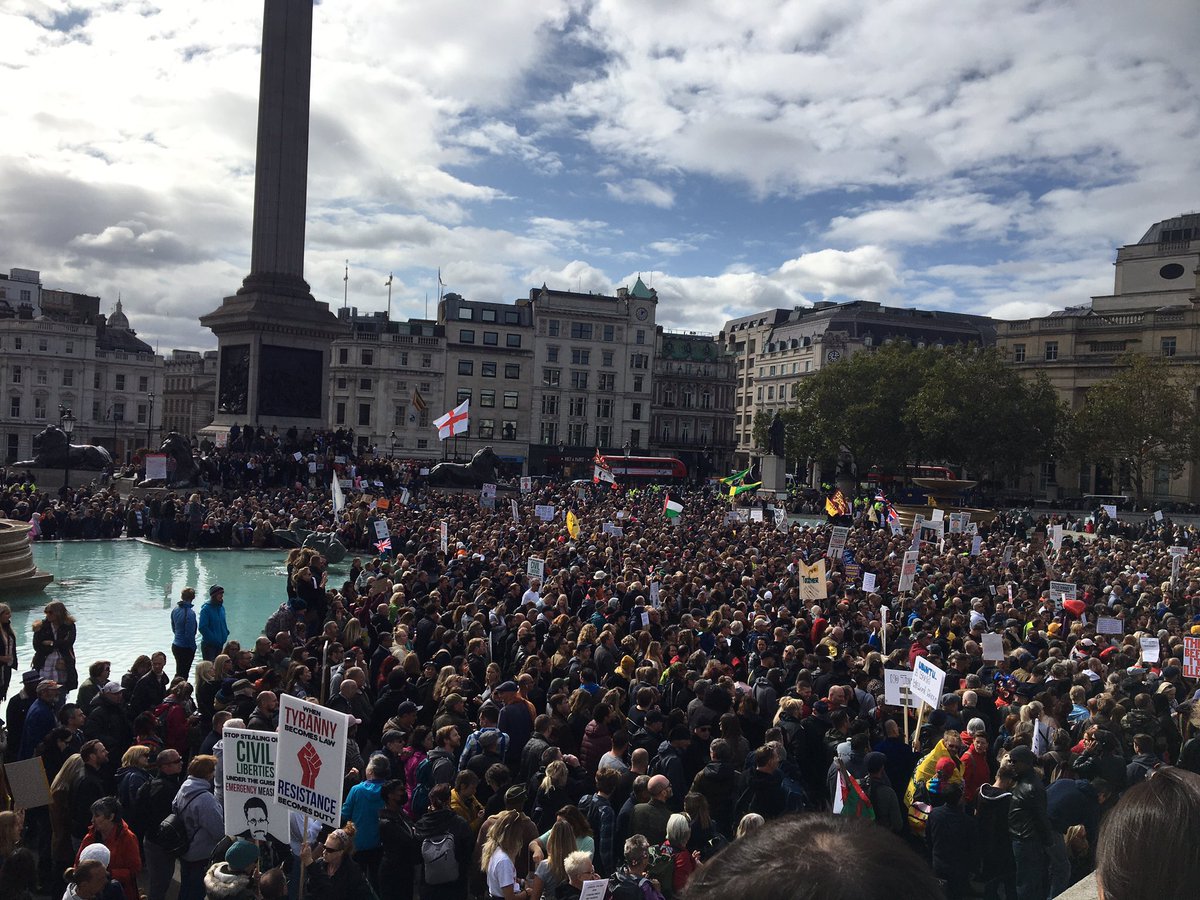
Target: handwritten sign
x,y
908,571
1110,625
544,512
897,688
927,681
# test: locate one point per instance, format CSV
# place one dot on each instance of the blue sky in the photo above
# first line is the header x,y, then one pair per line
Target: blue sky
x,y
973,156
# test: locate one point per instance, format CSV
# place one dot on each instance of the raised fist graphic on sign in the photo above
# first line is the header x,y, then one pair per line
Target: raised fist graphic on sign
x,y
310,765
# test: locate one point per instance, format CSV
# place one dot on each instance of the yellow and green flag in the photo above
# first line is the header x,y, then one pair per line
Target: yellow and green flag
x,y
736,489
735,478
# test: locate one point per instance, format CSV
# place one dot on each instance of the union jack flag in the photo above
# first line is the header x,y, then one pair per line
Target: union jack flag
x,y
892,516
384,546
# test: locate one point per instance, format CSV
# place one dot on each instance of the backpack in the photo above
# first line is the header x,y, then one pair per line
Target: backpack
x,y
420,797
438,859
172,836
627,887
662,868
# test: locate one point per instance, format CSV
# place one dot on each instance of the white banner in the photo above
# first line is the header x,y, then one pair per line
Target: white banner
x,y
248,777
868,582
993,647
927,682
897,688
1110,625
526,484
908,571
837,542
156,466
1111,509
444,536
311,762
545,513
535,568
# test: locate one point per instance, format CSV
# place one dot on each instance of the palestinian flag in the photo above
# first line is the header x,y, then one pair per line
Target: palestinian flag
x,y
672,509
602,471
735,478
736,489
851,800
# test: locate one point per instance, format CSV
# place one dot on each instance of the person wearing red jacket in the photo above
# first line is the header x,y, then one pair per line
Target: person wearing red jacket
x,y
976,771
125,858
174,712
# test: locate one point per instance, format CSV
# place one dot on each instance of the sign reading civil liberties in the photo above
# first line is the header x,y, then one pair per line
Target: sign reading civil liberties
x,y
311,762
248,778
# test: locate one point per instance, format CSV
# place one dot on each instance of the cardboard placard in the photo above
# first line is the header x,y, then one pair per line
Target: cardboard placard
x,y
897,688
908,571
868,584
311,762
1110,625
535,568
156,466
27,783
993,647
248,785
927,682
1150,649
544,512
526,484
812,581
837,542
1191,657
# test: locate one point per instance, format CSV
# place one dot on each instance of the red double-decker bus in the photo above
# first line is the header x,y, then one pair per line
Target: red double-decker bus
x,y
645,468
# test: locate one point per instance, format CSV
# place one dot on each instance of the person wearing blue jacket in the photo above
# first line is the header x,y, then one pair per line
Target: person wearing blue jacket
x,y
183,629
213,630
362,807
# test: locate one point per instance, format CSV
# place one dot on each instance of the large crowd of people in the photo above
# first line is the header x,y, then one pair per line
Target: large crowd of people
x,y
670,706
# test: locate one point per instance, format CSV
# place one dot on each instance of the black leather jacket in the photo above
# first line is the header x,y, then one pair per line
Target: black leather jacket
x,y
1027,817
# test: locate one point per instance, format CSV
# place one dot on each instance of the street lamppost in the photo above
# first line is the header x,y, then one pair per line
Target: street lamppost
x,y
66,422
393,442
562,461
149,420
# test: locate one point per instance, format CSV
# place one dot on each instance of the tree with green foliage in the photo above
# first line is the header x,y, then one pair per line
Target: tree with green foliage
x,y
1144,417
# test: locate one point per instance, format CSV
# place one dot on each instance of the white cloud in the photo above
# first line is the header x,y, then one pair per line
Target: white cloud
x,y
641,190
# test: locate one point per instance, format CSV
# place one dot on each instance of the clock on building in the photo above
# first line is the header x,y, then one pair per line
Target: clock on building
x,y
833,355
641,313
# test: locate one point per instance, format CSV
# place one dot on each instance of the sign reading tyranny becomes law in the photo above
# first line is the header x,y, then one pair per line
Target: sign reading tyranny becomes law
x,y
311,761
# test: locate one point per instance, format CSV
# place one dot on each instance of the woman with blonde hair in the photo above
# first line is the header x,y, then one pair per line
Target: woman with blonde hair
x,y
134,772
498,860
447,683
551,795
560,843
54,643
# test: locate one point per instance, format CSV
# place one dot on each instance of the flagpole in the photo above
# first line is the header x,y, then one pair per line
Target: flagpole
x,y
389,287
346,286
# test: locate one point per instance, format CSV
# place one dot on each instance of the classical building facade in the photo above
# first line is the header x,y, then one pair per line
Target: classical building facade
x,y
92,365
374,370
189,391
1154,309
692,413
777,348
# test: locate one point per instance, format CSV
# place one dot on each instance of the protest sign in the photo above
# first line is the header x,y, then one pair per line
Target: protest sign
x,y
897,688
1056,537
614,530
938,515
756,515
868,582
1111,509
156,466
976,545
1191,657
654,589
488,491
812,581
956,523
908,571
1109,625
311,759
1007,560
248,785
850,566
544,512
1150,649
993,647
1178,552
27,783
381,530
927,682
516,513
837,542
1062,590
222,439
444,534
526,484
594,890
535,568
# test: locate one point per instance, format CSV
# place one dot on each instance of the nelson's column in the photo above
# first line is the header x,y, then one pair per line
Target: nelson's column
x,y
273,337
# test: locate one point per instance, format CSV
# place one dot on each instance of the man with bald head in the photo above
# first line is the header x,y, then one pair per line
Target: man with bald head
x,y
650,818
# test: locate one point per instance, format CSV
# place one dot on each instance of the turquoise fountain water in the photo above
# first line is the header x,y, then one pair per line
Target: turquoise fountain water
x,y
121,594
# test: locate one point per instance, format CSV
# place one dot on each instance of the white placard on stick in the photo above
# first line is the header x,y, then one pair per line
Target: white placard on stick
x,y
1111,509
837,542
927,681
1110,625
544,512
311,762
868,582
993,647
897,688
248,785
1062,590
594,890
1150,648
535,568
908,571
526,484
156,466
444,536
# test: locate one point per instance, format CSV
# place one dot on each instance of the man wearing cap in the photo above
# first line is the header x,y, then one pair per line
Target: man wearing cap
x,y
489,718
107,720
214,632
236,877
514,721
1029,825
18,709
40,719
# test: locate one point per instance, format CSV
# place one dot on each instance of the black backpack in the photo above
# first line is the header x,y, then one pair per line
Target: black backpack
x,y
172,836
626,887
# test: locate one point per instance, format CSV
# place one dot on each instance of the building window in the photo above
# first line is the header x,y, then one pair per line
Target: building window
x,y
42,376
17,343
635,437
16,374
364,384
606,357
422,443
118,412
1018,353
463,394
119,382
466,313
549,404
1168,346
511,399
581,331
508,430
466,367
552,354
402,357
96,380
143,383
39,408
770,393
637,412
487,428
487,369
43,344
579,380
341,384
604,435
141,414
512,370
487,398
639,361
340,414
640,336
609,333
577,406
511,317
1051,351
549,432
604,408
491,339
367,357
577,434
14,407
343,356
426,360
551,377
70,347
608,381
95,410
512,340
580,357
552,327
1048,474
487,315
637,383
466,336
705,400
